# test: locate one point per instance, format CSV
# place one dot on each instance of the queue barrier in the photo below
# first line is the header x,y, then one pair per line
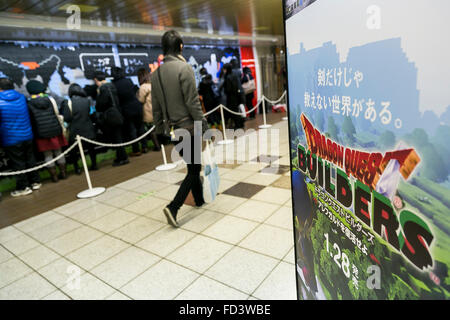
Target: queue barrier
x,y
92,192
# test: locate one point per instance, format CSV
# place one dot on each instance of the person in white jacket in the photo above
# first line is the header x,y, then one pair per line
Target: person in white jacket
x,y
144,96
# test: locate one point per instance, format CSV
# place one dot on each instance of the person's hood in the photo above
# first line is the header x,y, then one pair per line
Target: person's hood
x,y
10,95
75,90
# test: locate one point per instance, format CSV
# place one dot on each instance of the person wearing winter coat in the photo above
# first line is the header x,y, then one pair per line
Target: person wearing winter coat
x,y
144,96
211,97
16,137
131,110
76,112
235,96
47,128
247,77
110,116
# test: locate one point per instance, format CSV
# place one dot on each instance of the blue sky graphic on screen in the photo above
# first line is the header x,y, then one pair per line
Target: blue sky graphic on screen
x,y
377,82
370,77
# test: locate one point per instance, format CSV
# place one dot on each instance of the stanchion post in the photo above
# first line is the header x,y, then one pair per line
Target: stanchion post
x,y
265,125
285,96
225,140
83,160
91,192
166,166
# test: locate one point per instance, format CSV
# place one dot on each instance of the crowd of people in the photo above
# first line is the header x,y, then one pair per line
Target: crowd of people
x,y
112,111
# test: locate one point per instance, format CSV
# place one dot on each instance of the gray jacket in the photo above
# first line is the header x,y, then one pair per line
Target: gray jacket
x,y
178,80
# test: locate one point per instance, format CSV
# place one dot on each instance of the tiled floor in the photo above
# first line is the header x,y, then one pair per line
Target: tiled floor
x,y
119,245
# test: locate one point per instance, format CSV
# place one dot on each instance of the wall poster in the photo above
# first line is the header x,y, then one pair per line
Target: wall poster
x,y
369,118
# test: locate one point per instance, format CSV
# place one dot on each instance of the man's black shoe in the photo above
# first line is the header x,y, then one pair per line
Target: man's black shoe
x,y
171,218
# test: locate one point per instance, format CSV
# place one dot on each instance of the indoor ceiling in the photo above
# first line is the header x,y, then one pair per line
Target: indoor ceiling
x,y
251,21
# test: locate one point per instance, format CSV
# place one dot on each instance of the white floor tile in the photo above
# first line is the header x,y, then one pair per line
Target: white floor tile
x,y
242,269
90,288
230,229
279,285
113,221
273,195
225,203
252,166
97,252
224,185
54,230
60,272
38,221
165,240
131,184
168,193
208,289
199,253
12,270
269,240
21,244
4,255
56,296
137,230
282,218
39,257
145,205
92,213
124,266
157,213
117,296
74,240
198,220
123,200
262,179
75,207
150,187
31,287
163,281
110,193
290,257
9,233
255,210
237,175
288,203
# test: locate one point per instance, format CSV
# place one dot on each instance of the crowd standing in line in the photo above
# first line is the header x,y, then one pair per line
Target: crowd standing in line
x,y
77,114
16,137
49,137
119,111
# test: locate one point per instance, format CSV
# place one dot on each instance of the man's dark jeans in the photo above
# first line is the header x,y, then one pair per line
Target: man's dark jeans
x,y
192,182
22,157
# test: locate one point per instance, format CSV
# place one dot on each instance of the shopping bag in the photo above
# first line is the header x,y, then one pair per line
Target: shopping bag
x,y
190,200
242,111
210,175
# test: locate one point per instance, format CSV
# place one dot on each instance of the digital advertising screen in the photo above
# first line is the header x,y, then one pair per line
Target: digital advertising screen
x,y
369,120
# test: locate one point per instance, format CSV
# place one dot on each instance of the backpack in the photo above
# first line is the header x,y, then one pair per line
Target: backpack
x,y
215,90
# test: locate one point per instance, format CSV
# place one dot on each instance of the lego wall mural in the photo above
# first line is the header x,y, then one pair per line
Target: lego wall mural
x,y
59,64
369,117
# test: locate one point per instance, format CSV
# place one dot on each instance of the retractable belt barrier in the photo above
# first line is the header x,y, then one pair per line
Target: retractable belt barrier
x,y
93,192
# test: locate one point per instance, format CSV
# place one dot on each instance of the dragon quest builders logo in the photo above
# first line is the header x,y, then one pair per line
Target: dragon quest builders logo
x,y
331,165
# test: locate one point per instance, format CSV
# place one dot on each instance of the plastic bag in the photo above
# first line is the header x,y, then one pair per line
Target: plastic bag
x,y
210,175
